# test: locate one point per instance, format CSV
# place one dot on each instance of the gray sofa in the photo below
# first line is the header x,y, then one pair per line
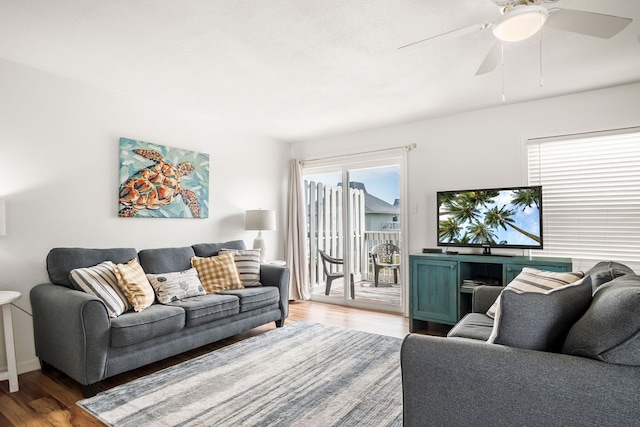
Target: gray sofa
x,y
74,333
593,380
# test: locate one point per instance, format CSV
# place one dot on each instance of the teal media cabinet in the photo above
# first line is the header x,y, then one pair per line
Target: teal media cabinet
x,y
441,285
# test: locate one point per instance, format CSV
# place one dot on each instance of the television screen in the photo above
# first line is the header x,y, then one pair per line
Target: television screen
x,y
491,218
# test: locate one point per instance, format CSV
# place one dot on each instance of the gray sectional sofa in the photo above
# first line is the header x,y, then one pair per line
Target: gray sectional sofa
x,y
592,379
74,333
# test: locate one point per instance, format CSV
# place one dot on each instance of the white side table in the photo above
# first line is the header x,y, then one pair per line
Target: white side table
x,y
6,298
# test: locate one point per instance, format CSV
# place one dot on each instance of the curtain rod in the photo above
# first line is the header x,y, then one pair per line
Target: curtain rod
x,y
406,147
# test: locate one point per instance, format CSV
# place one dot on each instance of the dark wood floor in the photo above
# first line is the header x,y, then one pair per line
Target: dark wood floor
x,y
49,398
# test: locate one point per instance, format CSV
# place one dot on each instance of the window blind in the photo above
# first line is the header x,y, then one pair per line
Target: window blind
x,y
591,196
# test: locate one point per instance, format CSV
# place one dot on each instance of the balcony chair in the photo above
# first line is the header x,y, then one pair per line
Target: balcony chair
x,y
327,261
382,256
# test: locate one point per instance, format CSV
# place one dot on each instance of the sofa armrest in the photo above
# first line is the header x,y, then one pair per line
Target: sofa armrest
x,y
278,276
483,297
71,331
456,382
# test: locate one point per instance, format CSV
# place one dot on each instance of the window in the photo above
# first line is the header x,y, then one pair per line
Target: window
x,y
591,196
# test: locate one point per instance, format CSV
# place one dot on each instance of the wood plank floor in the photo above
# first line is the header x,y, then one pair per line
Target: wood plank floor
x,y
49,398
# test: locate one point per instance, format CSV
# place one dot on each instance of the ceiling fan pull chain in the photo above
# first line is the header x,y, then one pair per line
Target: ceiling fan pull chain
x,y
504,98
540,35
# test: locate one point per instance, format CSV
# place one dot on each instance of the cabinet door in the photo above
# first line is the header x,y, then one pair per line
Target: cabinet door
x,y
434,289
512,270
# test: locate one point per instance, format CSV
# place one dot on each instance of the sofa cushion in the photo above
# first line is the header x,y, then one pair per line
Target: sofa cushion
x,y
212,249
248,265
606,271
135,285
207,308
175,286
540,321
101,281
534,280
60,261
256,297
157,320
166,260
476,326
217,273
610,329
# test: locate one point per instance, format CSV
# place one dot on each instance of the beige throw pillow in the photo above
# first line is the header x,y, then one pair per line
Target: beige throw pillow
x,y
175,286
217,273
134,284
534,280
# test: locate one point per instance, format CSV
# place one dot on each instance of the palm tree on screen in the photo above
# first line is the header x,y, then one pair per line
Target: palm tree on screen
x,y
481,233
449,230
502,217
465,239
526,197
481,198
480,213
465,210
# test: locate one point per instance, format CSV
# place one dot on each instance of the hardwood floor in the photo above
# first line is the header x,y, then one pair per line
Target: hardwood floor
x,y
49,398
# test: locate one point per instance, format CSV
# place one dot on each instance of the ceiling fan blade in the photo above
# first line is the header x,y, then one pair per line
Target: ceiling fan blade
x,y
453,33
491,60
589,23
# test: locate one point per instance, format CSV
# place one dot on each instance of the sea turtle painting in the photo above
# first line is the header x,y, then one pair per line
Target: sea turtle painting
x,y
157,186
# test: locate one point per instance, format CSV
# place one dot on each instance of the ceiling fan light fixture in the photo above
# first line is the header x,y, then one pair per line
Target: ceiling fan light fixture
x,y
520,23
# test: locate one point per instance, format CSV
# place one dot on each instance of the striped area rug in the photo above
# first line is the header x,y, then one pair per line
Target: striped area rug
x,y
304,374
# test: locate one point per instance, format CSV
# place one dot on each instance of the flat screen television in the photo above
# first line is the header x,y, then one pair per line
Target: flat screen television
x,y
509,218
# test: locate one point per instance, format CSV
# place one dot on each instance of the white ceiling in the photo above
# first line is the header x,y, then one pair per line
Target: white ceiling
x,y
302,69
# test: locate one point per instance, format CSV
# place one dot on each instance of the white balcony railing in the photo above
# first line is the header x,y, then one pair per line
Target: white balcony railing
x,y
326,231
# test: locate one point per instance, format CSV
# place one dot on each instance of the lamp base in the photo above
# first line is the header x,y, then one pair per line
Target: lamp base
x,y
258,243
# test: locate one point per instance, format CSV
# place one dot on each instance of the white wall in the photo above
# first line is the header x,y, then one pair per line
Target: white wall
x,y
483,148
59,177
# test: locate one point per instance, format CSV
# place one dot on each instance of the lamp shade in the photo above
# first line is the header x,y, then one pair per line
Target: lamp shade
x,y
260,220
3,218
520,23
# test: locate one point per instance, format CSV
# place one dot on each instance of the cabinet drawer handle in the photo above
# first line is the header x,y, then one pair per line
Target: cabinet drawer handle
x,y
452,266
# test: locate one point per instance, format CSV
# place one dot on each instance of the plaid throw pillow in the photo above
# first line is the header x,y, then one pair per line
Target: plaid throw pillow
x,y
217,273
134,284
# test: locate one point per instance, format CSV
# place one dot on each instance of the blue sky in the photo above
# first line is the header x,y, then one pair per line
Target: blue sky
x,y
382,182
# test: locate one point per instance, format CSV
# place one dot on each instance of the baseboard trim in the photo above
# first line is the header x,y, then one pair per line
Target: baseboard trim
x,y
28,366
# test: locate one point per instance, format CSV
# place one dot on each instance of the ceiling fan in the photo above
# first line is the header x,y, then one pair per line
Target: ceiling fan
x,y
521,19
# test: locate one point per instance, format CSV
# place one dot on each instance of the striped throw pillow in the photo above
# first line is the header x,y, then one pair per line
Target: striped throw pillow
x,y
134,284
100,280
176,286
217,273
534,280
248,265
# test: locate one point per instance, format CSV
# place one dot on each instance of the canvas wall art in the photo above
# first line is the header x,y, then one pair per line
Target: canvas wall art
x,y
157,181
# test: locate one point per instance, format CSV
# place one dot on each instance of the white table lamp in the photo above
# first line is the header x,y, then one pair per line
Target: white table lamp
x,y
260,220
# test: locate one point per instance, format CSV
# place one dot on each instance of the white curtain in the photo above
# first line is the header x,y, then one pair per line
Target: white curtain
x,y
296,248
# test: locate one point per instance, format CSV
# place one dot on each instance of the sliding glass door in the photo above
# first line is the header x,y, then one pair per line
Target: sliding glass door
x,y
355,218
